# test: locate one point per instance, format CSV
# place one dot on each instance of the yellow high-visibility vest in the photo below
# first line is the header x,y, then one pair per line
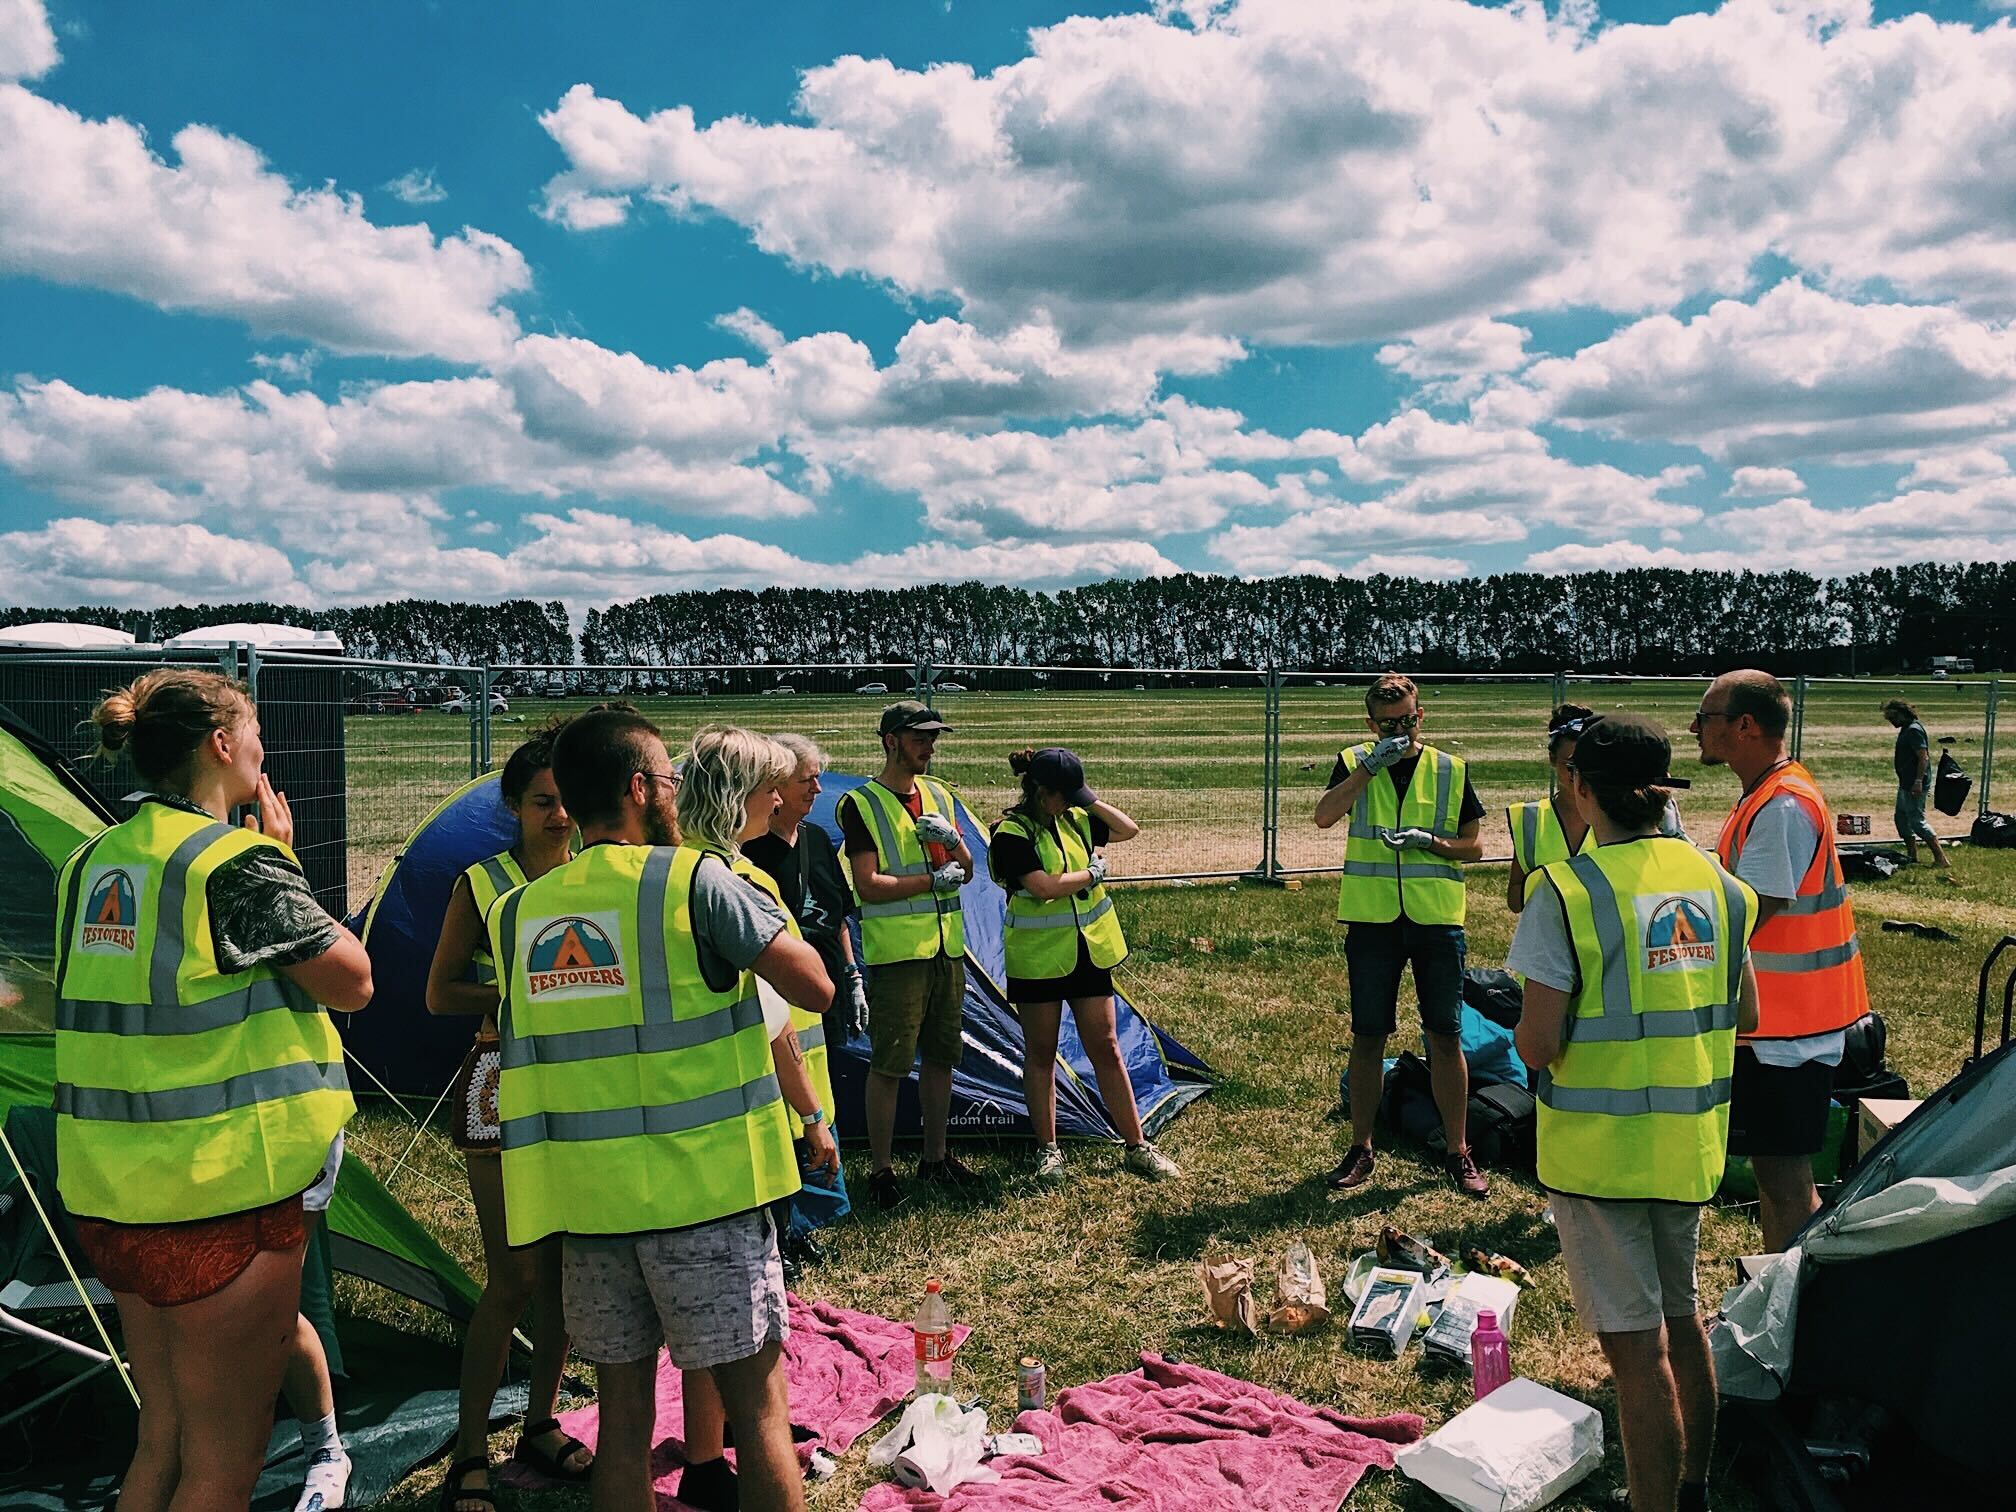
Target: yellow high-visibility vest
x,y
489,879
1379,883
1041,939
1538,838
182,1091
633,1096
811,1026
912,929
1637,1105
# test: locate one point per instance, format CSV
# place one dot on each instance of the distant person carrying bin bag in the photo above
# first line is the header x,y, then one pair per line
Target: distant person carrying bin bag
x,y
1638,979
1912,758
1062,941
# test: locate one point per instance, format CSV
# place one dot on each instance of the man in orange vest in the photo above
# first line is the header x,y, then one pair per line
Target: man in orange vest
x,y
1780,839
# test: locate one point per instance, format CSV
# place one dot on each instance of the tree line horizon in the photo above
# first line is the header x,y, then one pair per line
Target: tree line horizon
x,y
1636,620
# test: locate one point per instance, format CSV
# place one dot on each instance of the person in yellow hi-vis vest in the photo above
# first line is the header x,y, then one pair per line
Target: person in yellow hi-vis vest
x,y
1062,941
647,1093
907,863
1636,956
462,980
1414,819
200,1091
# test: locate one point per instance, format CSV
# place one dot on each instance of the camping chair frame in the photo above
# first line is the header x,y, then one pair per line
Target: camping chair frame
x,y
1981,998
18,1294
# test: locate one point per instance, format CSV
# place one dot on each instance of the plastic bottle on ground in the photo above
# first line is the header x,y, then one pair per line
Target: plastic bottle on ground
x,y
933,1334
1490,1356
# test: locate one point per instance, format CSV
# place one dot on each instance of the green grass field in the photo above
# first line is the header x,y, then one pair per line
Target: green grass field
x,y
1252,978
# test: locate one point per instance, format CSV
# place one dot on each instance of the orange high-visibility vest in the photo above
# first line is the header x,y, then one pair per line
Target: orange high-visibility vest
x,y
1808,960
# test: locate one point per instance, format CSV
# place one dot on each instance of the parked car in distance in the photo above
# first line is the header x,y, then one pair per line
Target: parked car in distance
x,y
459,704
873,687
780,688
951,687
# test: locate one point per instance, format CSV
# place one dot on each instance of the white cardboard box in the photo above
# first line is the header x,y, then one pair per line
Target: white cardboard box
x,y
1877,1116
1518,1449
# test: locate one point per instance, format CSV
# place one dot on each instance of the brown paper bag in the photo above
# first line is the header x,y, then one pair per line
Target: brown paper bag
x,y
1300,1301
1228,1292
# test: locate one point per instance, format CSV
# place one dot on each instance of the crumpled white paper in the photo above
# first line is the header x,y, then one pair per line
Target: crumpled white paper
x,y
935,1444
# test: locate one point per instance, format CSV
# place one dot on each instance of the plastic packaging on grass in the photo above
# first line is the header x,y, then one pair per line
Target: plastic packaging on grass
x,y
1518,1449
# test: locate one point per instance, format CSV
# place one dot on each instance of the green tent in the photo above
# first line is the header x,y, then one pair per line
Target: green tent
x,y
45,814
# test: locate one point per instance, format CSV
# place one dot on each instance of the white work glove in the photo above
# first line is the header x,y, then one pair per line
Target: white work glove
x,y
1407,839
948,878
1098,870
936,829
854,1003
1388,751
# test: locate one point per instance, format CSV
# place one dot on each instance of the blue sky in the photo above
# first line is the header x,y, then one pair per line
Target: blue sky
x,y
344,303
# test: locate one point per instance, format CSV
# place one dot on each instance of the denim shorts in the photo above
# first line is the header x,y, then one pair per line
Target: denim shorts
x,y
1376,954
1911,823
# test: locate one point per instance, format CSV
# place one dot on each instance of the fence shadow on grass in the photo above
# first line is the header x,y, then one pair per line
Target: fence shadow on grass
x,y
1309,1203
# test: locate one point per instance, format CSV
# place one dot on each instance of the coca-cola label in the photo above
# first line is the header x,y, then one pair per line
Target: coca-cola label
x,y
932,1347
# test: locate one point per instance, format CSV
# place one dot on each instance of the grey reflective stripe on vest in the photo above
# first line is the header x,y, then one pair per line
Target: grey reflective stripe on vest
x,y
110,1105
1664,1023
1634,1103
1739,926
166,962
1831,895
567,1046
1445,775
812,1036
654,981
1603,905
1362,827
500,877
69,914
1807,960
1445,871
1529,832
196,1018
629,1123
925,902
507,932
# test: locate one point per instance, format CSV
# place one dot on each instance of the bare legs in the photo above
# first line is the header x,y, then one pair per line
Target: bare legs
x,y
1041,1025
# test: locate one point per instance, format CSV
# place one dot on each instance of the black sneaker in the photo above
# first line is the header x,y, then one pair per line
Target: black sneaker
x,y
949,1172
710,1487
1354,1170
885,1190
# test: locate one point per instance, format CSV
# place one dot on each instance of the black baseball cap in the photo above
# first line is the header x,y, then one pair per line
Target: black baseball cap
x,y
1059,771
911,715
1626,749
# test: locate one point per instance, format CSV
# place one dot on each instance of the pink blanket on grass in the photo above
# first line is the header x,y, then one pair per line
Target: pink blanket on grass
x,y
847,1371
1170,1437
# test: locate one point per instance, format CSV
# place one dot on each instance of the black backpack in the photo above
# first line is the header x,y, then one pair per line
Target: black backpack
x,y
1951,787
1871,865
1495,994
1994,831
1864,1070
1501,1119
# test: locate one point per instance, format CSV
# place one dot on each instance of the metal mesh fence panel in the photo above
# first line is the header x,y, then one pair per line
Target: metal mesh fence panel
x,y
1497,725
1182,752
363,751
1849,745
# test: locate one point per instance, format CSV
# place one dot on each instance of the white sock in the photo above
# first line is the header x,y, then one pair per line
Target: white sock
x,y
328,1478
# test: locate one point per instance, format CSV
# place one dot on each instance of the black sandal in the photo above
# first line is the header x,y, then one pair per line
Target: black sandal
x,y
545,1461
454,1492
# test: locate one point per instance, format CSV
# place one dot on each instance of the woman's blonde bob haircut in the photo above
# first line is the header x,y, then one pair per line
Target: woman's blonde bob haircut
x,y
726,765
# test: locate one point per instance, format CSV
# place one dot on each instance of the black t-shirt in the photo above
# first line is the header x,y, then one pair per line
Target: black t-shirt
x,y
1014,857
815,891
1402,773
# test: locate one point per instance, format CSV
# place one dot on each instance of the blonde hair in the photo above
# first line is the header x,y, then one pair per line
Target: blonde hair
x,y
161,718
726,765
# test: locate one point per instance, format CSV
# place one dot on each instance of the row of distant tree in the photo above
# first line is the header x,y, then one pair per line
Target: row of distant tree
x,y
1638,620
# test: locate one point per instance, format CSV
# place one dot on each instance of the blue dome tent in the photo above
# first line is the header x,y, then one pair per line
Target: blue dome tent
x,y
412,1052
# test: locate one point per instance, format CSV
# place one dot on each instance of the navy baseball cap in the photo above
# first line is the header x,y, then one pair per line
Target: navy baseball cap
x,y
1059,771
1626,749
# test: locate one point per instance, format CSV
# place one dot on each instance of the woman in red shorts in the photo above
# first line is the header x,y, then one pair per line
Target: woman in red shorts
x,y
463,980
199,1082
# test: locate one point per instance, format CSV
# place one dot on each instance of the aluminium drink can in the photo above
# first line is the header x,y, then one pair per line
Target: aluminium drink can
x,y
1031,1385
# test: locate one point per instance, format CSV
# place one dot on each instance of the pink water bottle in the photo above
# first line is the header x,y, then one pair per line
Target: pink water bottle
x,y
1490,1356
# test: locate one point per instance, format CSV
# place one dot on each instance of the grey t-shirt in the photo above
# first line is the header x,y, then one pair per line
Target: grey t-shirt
x,y
1912,744
734,922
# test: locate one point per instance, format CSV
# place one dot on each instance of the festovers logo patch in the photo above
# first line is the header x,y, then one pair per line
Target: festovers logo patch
x,y
1678,930
110,922
575,955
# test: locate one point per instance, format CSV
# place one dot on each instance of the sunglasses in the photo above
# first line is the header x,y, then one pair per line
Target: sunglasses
x,y
1701,714
1398,722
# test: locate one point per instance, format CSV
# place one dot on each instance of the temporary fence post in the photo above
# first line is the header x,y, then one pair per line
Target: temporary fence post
x,y
483,704
1988,743
922,675
250,672
1798,715
1557,693
1268,868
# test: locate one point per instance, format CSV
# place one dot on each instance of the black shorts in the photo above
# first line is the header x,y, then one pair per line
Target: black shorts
x,y
1778,1110
1376,954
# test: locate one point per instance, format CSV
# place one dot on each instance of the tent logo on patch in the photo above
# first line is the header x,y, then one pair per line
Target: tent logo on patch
x,y
574,953
1679,930
111,919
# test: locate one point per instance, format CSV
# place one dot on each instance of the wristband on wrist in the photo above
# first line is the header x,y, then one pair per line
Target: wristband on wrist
x,y
816,1116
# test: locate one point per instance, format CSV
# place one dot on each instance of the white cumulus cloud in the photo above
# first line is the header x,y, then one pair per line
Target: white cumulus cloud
x,y
81,561
417,186
1764,482
27,44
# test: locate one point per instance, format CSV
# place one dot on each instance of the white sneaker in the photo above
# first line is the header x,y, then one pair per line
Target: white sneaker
x,y
1149,1163
327,1481
1050,1167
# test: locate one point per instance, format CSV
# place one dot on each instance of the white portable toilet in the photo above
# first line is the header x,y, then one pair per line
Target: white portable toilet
x,y
57,635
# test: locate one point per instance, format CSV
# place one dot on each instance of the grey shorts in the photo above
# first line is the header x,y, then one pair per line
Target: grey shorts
x,y
711,1295
1630,1264
1910,816
316,1198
